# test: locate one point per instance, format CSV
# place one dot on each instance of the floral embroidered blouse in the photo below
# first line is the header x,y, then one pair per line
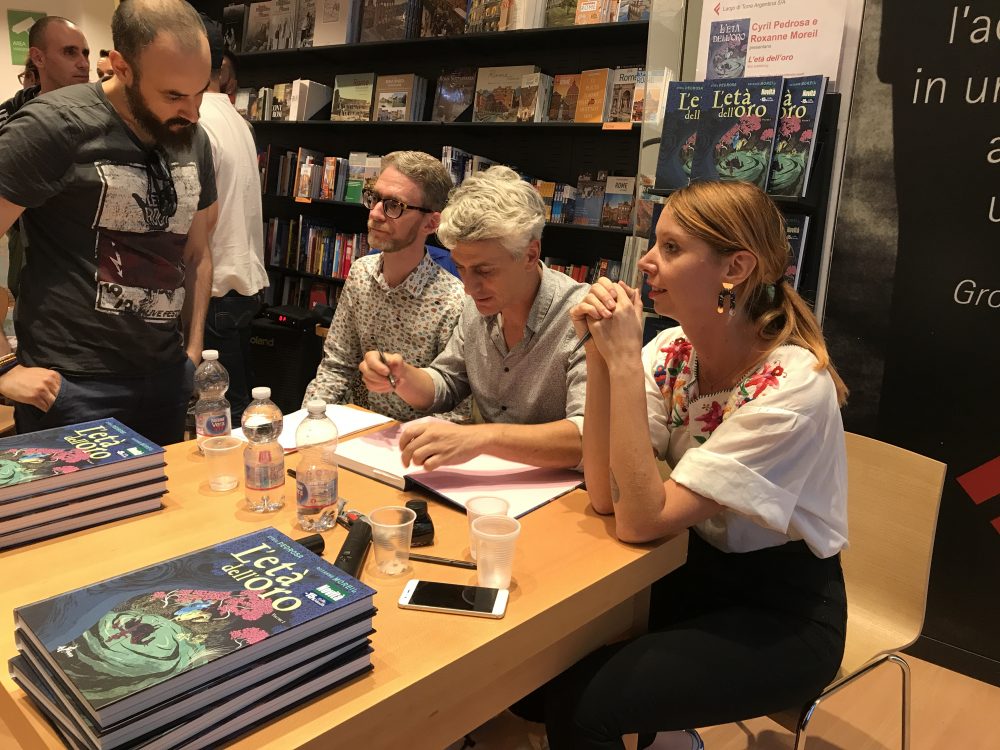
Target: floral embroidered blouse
x,y
771,450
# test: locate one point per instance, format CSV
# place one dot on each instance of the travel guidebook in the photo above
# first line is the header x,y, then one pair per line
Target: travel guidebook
x,y
377,455
129,643
47,460
736,130
794,145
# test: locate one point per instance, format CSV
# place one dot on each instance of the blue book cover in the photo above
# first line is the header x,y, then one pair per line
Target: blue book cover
x,y
131,642
680,129
727,49
794,147
736,130
47,460
590,199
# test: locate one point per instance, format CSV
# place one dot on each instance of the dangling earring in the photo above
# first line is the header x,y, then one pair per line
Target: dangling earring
x,y
727,291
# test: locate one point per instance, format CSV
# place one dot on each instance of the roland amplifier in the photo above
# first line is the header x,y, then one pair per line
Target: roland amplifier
x,y
284,359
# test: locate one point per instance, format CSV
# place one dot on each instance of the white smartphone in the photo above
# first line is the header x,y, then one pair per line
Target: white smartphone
x,y
454,597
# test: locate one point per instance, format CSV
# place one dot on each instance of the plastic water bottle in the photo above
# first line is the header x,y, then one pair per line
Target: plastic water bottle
x,y
316,475
263,458
212,415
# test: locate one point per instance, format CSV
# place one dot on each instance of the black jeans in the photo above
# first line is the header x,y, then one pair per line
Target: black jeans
x,y
732,636
227,328
154,406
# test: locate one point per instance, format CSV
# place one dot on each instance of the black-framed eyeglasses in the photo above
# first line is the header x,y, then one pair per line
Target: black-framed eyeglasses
x,y
30,75
393,208
161,182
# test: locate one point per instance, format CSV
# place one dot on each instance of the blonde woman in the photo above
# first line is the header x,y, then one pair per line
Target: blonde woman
x,y
742,402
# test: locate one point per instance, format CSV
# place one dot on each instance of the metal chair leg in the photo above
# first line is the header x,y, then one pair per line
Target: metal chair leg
x,y
904,669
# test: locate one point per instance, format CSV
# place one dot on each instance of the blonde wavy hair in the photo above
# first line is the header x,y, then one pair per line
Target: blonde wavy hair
x,y
733,216
493,205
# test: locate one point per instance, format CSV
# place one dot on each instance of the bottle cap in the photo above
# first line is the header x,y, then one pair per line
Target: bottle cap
x,y
316,406
261,392
210,354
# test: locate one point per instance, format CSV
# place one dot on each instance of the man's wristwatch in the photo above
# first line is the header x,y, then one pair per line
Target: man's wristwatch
x,y
7,363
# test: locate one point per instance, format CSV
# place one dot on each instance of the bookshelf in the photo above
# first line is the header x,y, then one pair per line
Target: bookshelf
x,y
555,151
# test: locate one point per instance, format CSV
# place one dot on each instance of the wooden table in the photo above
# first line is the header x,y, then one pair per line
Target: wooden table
x,y
436,676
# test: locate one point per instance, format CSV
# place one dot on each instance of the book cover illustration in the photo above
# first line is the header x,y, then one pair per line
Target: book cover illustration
x,y
305,23
443,17
234,26
336,22
619,201
736,130
680,133
624,91
116,638
258,27
281,29
795,140
565,95
727,49
44,459
456,90
352,97
592,106
796,226
484,16
590,199
393,98
384,20
533,98
560,12
496,92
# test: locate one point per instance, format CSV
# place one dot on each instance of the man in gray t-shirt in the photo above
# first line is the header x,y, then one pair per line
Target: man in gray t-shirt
x,y
115,184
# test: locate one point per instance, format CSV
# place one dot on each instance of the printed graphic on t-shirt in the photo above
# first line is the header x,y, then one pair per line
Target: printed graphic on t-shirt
x,y
140,247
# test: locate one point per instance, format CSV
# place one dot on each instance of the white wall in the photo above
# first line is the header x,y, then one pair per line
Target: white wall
x,y
92,16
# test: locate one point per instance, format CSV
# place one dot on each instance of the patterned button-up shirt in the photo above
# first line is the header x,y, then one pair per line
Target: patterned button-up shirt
x,y
414,319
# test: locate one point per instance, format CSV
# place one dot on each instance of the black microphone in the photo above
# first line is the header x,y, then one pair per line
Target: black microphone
x,y
351,557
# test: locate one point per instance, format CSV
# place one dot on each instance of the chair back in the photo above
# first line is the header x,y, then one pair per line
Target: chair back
x,y
893,500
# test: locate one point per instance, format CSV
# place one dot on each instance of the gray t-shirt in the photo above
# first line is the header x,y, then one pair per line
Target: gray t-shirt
x,y
103,287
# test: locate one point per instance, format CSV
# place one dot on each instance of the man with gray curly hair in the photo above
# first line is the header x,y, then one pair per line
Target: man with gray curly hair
x,y
513,347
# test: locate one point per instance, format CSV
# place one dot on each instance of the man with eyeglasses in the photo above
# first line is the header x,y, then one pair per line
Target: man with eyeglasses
x,y
28,78
399,298
60,56
115,184
513,350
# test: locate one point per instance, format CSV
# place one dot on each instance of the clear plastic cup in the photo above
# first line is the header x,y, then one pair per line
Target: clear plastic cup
x,y
224,456
483,505
495,538
392,529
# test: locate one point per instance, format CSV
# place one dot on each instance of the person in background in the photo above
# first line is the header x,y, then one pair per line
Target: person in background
x,y
397,298
513,347
228,75
116,186
237,241
103,66
28,78
743,403
60,56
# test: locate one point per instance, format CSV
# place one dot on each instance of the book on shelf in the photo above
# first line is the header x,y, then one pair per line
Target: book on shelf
x,y
680,133
619,202
638,10
455,161
496,92
37,462
352,97
796,226
592,105
655,101
337,22
72,520
736,129
533,97
590,198
234,26
260,107
258,33
454,95
270,26
388,20
524,14
592,11
484,16
443,17
377,455
565,95
794,147
281,102
305,23
547,190
639,96
373,168
242,102
624,84
309,173
397,98
309,100
355,176
195,623
727,48
560,12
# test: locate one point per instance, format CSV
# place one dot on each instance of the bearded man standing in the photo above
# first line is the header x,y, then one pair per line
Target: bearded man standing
x,y
117,191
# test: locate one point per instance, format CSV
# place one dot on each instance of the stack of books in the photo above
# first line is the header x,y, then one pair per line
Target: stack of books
x,y
195,650
67,478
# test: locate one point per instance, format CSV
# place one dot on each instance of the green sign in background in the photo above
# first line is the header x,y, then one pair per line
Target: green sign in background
x,y
19,22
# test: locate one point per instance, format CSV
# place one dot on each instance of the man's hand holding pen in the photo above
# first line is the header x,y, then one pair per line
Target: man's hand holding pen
x,y
382,372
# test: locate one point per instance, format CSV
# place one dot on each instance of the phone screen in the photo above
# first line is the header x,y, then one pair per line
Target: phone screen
x,y
453,596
